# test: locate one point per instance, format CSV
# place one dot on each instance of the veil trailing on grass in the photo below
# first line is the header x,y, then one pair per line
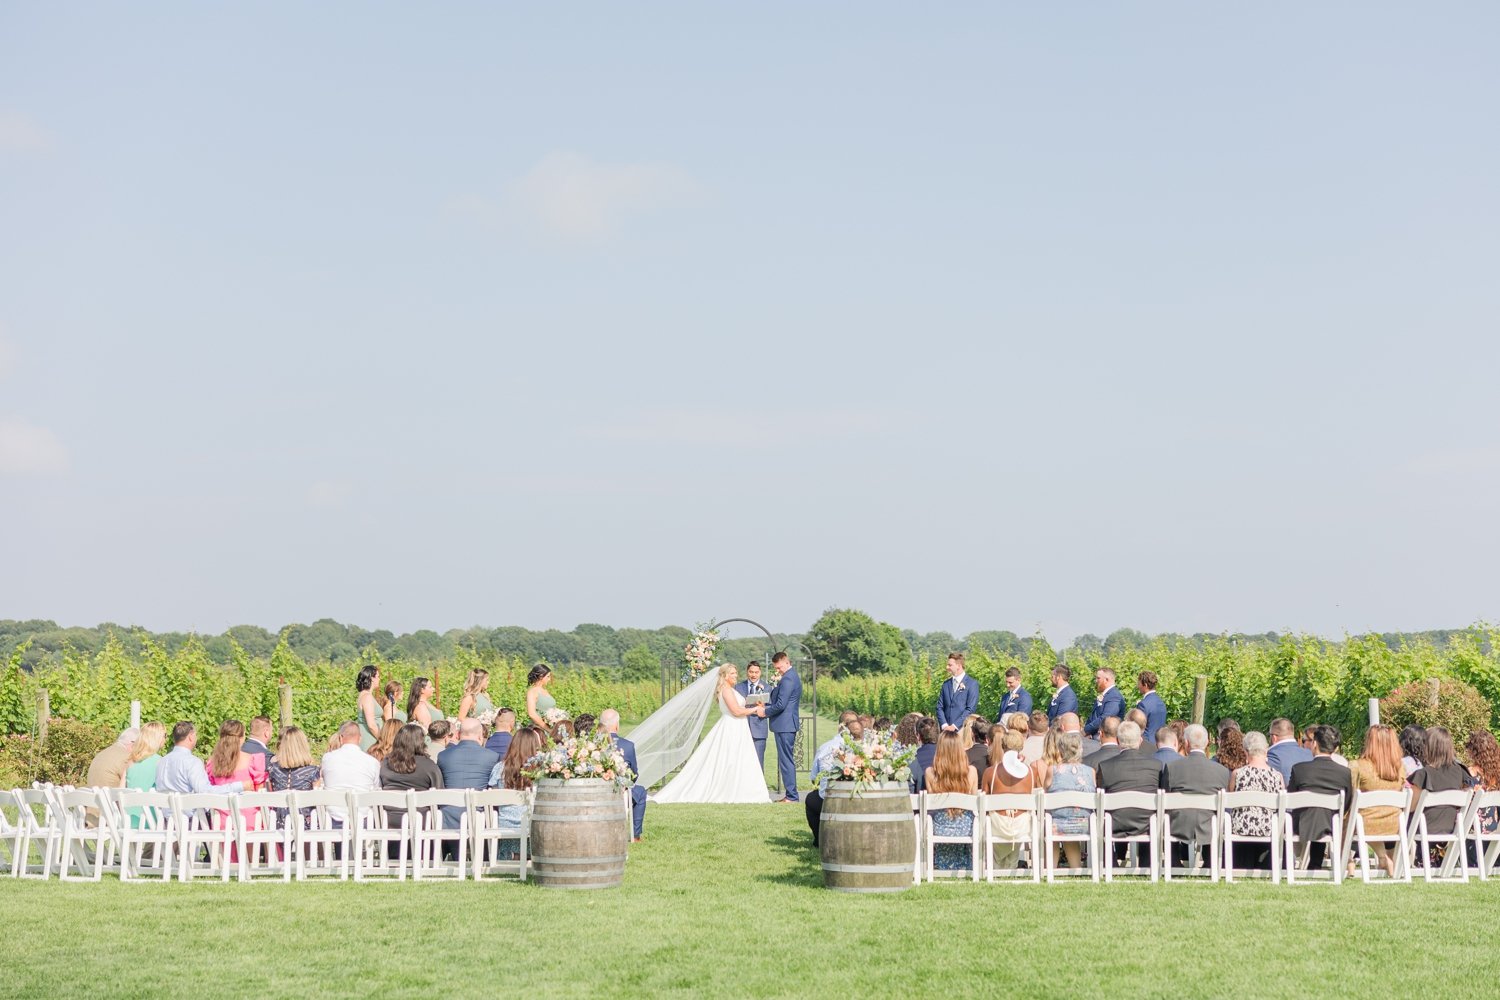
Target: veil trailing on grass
x,y
668,735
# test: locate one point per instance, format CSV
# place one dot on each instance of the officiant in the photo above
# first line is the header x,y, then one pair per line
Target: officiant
x,y
759,725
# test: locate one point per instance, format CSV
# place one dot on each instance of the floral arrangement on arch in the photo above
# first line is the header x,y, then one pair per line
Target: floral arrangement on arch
x,y
699,652
879,759
592,755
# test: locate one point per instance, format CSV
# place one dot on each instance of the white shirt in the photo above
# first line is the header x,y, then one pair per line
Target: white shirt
x,y
1059,691
349,769
959,680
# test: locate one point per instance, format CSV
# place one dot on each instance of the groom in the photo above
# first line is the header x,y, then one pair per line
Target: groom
x,y
783,715
752,684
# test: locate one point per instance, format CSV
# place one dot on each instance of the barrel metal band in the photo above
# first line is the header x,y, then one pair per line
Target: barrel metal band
x,y
869,869
863,818
618,817
540,860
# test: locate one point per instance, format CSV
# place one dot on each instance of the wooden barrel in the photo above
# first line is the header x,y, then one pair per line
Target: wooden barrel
x,y
867,840
580,833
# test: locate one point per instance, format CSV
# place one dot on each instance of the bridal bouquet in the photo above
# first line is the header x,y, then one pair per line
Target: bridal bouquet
x,y
487,719
699,653
554,715
867,763
593,755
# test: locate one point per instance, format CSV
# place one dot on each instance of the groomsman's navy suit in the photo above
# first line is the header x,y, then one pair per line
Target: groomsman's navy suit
x,y
1111,702
1156,714
637,793
758,727
784,721
1063,700
1018,700
953,705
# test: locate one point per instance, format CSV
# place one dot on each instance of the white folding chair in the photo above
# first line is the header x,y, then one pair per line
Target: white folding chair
x,y
488,831
11,831
1170,803
42,831
435,827
1358,839
383,819
1230,801
1088,801
1295,850
917,869
952,800
146,820
1486,845
258,835
202,826
1022,806
1422,838
323,843
87,821
1109,804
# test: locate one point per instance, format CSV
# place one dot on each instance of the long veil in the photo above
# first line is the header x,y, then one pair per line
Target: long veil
x,y
667,736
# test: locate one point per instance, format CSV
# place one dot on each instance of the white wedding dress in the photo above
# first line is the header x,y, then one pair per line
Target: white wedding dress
x,y
724,768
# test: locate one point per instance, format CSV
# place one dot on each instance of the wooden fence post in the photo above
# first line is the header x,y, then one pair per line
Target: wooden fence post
x,y
1200,698
43,714
1432,692
284,696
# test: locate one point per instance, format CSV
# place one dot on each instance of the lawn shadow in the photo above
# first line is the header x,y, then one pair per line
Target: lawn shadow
x,y
804,866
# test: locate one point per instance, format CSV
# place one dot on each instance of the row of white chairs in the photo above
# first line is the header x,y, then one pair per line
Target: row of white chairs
x,y
1348,838
83,832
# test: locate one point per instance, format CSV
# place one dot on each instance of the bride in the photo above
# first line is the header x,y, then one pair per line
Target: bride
x,y
724,768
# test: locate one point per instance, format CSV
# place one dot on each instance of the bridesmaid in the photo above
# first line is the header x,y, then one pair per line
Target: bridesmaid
x,y
419,706
538,701
367,712
475,702
395,696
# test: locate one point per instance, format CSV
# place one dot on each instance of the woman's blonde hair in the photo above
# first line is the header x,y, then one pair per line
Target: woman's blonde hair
x,y
153,735
477,682
724,669
386,740
292,749
1009,740
966,733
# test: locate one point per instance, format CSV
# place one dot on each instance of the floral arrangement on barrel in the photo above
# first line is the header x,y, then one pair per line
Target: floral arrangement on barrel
x,y
871,762
593,755
699,652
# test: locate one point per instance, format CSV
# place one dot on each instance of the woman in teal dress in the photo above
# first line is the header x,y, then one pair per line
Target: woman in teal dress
x,y
367,712
538,701
419,706
394,697
140,770
475,702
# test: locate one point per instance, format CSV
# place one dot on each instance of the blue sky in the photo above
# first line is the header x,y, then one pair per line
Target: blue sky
x,y
1174,316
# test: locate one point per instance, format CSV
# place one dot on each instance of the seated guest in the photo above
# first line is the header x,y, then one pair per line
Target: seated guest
x,y
347,768
107,769
1484,773
562,731
1068,723
510,773
583,724
259,738
181,771
927,734
1231,745
229,764
1036,732
609,721
866,723
1440,773
1007,774
1413,749
1179,726
1193,774
140,767
1041,768
407,768
979,752
1378,769
822,770
386,740
466,764
1070,774
1166,744
1109,742
1139,718
882,724
951,772
505,724
438,733
1255,775
966,733
292,770
1285,752
1132,769
906,729
1321,774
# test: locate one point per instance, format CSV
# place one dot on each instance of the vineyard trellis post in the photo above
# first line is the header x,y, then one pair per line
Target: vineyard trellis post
x,y
1200,698
43,714
135,715
284,701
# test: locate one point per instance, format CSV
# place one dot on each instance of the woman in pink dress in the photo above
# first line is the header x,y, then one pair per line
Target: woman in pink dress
x,y
229,763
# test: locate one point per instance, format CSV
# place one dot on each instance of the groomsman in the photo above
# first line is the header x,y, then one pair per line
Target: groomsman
x,y
1110,704
759,725
959,697
1151,704
1016,698
1064,700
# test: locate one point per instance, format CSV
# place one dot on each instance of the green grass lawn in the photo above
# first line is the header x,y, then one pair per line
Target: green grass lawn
x,y
727,901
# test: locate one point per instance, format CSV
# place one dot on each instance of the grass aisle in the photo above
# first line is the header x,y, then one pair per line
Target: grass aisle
x,y
712,886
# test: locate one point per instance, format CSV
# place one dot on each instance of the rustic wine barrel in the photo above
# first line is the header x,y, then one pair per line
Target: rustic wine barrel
x,y
867,839
580,833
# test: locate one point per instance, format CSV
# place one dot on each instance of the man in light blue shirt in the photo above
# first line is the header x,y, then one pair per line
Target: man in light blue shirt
x,y
822,769
182,772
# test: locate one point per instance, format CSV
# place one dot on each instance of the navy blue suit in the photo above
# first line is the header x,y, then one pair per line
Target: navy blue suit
x,y
465,764
1111,702
1165,754
1063,700
953,705
1286,755
498,742
782,714
759,727
919,765
1156,714
1018,700
637,793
